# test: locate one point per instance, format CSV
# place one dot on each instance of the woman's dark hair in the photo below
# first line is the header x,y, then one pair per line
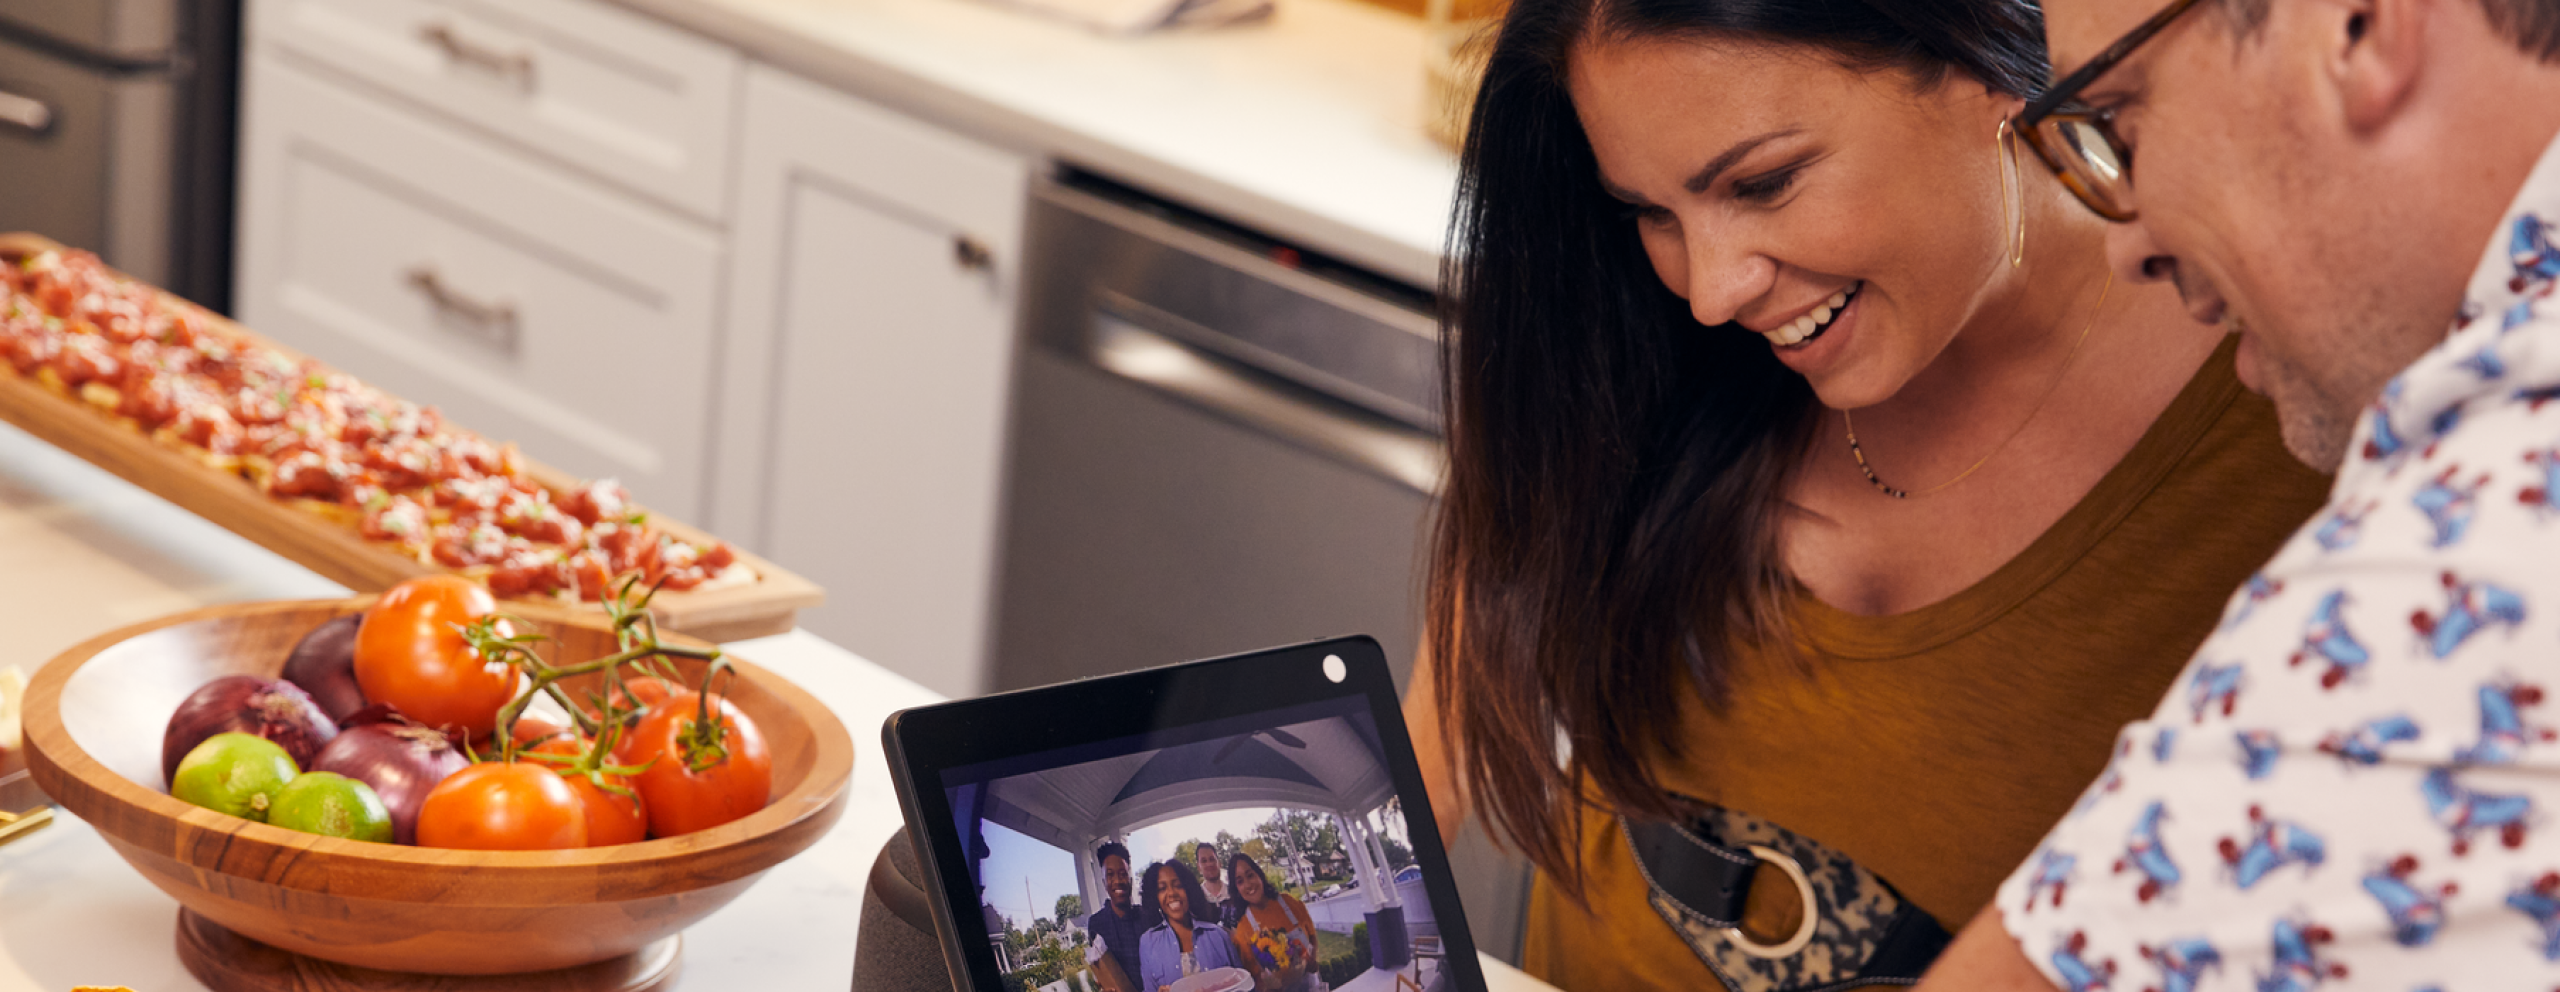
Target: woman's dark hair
x,y
1195,900
1269,891
1607,536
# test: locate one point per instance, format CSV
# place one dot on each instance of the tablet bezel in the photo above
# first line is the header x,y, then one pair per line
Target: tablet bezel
x,y
922,743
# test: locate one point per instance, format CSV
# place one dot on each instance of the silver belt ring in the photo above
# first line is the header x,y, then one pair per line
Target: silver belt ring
x,y
1804,930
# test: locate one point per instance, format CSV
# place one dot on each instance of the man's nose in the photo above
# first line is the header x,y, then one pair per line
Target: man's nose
x,y
2136,256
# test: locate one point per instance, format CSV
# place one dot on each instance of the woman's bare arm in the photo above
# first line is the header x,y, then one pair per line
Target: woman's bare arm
x,y
1984,958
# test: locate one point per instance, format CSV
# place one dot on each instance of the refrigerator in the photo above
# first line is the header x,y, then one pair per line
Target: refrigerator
x,y
117,122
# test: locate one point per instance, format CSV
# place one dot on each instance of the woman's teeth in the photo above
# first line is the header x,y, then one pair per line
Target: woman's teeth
x,y
1811,325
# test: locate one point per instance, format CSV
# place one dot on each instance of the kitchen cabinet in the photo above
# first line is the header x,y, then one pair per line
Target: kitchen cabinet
x,y
863,387
769,307
589,86
530,305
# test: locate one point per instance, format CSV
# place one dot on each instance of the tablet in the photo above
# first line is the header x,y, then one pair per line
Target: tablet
x,y
1061,830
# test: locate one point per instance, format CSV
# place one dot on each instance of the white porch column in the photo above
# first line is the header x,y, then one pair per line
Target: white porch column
x,y
1386,867
1362,865
1088,876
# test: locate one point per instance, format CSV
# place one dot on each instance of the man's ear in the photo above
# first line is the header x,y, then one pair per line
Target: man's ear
x,y
2374,51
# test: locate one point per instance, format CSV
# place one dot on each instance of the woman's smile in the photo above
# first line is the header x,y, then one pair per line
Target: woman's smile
x,y
1812,323
1829,340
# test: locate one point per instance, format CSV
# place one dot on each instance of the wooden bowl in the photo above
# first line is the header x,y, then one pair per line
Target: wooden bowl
x,y
94,717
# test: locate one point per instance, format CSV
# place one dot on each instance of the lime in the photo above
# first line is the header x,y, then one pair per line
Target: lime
x,y
332,805
233,773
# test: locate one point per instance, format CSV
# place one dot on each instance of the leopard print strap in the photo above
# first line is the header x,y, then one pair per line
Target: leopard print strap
x,y
1858,930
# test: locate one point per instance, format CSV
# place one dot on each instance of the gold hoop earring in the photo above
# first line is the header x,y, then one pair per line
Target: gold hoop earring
x,y
2004,145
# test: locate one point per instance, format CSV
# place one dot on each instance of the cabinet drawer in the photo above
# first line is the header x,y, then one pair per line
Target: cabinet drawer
x,y
599,89
530,306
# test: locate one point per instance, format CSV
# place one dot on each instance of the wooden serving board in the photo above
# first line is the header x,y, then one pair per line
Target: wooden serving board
x,y
766,606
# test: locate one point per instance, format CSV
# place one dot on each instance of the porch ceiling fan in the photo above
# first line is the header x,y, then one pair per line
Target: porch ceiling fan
x,y
1281,737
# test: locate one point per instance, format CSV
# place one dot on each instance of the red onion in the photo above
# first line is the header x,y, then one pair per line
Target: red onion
x,y
276,710
399,759
324,665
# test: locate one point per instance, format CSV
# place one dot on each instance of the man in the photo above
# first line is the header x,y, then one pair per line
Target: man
x,y
2352,786
1211,884
1114,929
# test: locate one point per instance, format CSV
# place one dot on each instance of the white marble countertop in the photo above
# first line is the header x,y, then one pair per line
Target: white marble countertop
x,y
1307,126
82,552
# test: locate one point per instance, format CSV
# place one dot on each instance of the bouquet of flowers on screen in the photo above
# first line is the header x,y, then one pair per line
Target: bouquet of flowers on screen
x,y
1281,948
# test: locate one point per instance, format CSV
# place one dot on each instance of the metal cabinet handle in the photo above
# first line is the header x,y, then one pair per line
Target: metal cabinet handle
x,y
516,64
1233,390
25,113
494,322
971,253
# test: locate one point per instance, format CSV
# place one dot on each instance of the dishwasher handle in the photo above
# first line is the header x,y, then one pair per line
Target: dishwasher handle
x,y
26,113
1238,392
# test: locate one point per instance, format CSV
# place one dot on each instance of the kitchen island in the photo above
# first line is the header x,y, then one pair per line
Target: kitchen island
x,y
82,552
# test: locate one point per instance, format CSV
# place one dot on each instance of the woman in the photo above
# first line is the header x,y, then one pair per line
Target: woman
x,y
1180,945
1274,934
1808,463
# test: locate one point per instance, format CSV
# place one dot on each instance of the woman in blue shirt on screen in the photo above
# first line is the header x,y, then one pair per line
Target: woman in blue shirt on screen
x,y
1181,945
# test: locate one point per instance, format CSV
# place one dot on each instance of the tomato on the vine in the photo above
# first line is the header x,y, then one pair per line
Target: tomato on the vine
x,y
643,694
699,776
611,818
409,654
532,731
496,806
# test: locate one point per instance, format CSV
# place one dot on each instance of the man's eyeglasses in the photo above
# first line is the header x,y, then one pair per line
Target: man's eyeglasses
x,y
2079,143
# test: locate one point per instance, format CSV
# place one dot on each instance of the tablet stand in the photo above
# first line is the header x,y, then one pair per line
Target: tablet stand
x,y
896,950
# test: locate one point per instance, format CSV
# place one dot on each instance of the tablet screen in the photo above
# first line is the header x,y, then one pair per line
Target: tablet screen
x,y
1199,855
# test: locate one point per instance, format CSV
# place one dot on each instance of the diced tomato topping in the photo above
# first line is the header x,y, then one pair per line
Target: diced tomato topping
x,y
208,425
471,497
597,502
251,405
307,475
591,573
628,547
118,316
85,358
538,573
460,545
150,398
403,463
531,515
396,519
35,348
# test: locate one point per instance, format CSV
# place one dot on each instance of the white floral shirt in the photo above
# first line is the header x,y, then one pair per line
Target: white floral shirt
x,y
2356,783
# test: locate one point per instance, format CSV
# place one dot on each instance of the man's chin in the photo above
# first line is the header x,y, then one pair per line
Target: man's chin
x,y
2314,436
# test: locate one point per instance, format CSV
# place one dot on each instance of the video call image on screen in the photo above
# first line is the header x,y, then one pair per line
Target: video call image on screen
x,y
1299,797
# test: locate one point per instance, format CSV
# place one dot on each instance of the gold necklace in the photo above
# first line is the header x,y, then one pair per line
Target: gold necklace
x,y
1860,454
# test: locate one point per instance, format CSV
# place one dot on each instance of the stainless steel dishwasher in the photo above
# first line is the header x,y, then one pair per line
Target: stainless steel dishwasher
x,y
1220,442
